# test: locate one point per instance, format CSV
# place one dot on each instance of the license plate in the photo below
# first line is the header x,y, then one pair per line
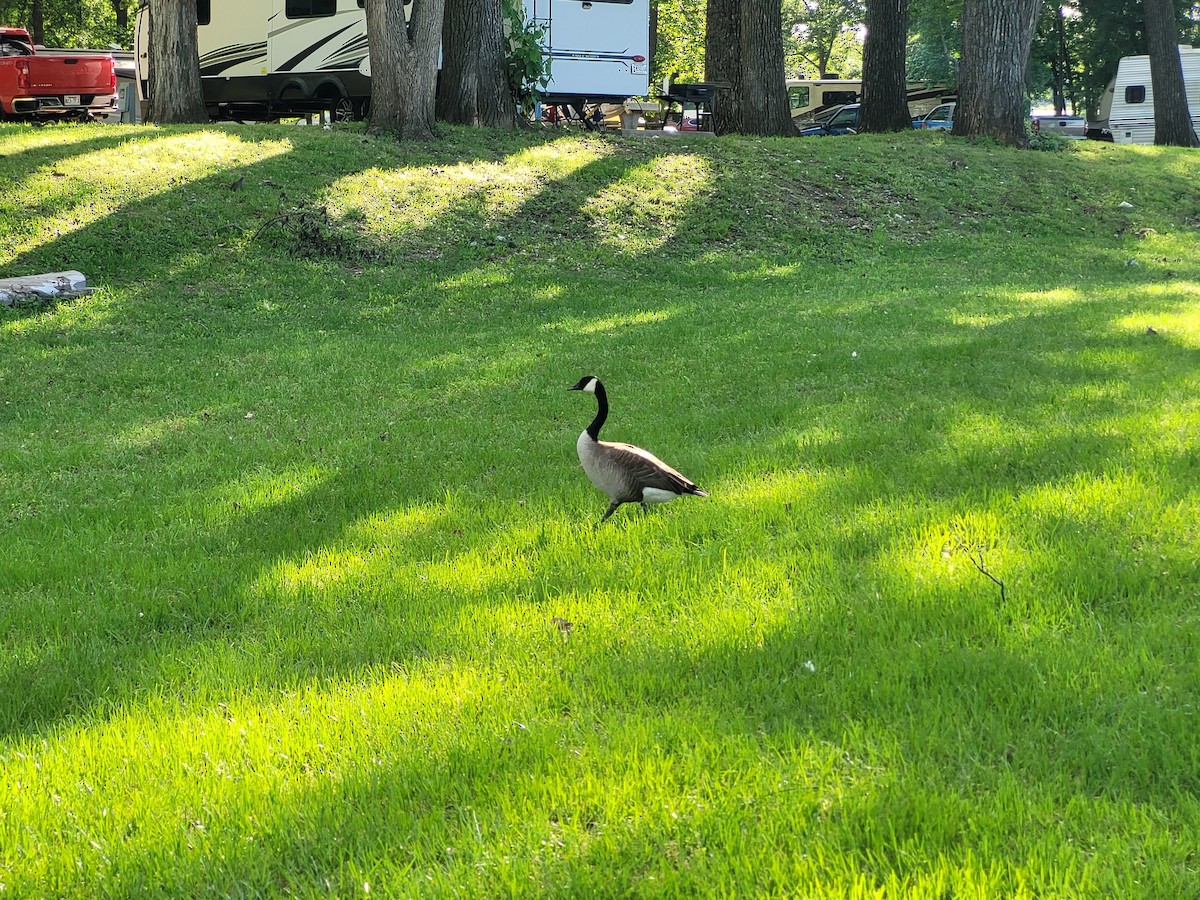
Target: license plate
x,y
71,100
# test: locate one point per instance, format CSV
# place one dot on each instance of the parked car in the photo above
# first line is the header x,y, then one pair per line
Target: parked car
x,y
839,120
42,86
941,116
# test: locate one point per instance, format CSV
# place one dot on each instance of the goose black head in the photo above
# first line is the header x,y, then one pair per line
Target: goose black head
x,y
586,383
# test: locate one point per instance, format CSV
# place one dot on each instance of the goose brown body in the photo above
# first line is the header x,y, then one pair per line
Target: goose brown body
x,y
625,473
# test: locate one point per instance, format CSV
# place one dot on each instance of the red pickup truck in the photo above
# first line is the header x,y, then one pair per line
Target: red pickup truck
x,y
41,87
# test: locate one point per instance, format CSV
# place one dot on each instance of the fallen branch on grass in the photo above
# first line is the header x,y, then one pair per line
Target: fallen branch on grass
x,y
34,290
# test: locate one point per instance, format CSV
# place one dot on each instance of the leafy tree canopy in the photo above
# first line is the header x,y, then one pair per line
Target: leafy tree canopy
x,y
74,23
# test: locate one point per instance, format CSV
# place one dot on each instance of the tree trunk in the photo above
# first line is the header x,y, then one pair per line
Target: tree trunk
x,y
722,63
404,59
996,39
176,94
654,36
1062,63
121,11
744,49
37,22
764,104
1173,124
885,85
473,88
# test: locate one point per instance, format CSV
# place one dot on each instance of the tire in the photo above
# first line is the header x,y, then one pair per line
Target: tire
x,y
343,110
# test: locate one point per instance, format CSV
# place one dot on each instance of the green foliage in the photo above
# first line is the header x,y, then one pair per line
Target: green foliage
x,y
287,528
528,65
1104,31
934,41
1050,142
679,45
75,23
821,36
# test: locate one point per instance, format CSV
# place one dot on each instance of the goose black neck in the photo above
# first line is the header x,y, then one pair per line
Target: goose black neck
x,y
593,430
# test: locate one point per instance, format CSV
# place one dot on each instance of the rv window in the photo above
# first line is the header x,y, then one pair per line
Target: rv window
x,y
798,97
309,9
203,12
1135,93
831,97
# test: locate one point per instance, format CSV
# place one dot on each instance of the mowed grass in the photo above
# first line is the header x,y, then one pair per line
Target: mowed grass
x,y
291,505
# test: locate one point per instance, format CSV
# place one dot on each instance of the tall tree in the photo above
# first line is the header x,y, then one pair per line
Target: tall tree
x,y
72,23
1172,120
996,38
744,49
885,86
723,63
404,66
37,21
1105,31
677,32
473,88
934,40
818,34
176,94
765,106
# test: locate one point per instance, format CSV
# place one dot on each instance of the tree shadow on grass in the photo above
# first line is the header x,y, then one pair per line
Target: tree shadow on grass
x,y
939,704
165,604
926,714
65,143
233,617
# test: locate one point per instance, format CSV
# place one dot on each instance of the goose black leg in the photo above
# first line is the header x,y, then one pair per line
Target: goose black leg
x,y
645,508
612,508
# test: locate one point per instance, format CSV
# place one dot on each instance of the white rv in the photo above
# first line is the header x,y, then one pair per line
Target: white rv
x,y
266,58
598,49
1127,107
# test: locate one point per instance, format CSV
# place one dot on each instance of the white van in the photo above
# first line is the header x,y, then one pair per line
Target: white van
x,y
1127,107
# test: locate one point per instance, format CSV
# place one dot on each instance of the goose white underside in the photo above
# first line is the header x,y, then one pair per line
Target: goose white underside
x,y
657,495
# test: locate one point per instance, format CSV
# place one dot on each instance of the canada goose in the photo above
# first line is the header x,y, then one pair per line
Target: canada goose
x,y
627,474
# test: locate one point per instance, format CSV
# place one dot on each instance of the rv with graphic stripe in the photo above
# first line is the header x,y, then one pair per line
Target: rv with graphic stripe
x,y
262,59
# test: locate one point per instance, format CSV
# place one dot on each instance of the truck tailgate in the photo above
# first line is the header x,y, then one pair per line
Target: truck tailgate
x,y
69,74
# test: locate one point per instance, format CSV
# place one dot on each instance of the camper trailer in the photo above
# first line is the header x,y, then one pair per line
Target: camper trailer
x,y
267,58
1127,107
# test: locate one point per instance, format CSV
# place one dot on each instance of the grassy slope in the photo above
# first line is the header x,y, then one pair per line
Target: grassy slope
x,y
285,532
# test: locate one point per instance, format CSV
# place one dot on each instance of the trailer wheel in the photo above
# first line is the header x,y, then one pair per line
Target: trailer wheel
x,y
343,110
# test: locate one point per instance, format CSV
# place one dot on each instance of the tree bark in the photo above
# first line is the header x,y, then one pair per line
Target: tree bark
x,y
176,94
404,60
37,22
996,39
722,63
765,108
885,85
473,88
1173,124
744,49
121,11
1061,68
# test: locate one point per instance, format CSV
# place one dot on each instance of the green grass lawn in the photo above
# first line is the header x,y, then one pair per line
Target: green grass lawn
x,y
291,506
